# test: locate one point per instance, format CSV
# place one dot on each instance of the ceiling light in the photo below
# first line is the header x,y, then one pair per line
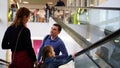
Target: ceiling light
x,y
20,1
50,3
25,2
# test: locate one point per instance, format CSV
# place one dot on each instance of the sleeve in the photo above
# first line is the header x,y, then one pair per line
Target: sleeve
x,y
29,45
41,47
65,60
39,53
63,48
61,56
5,43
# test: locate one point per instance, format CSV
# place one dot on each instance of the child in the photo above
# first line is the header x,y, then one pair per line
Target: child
x,y
52,61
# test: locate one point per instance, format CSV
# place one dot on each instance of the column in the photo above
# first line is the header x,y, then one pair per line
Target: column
x,y
82,3
3,24
88,3
96,2
77,2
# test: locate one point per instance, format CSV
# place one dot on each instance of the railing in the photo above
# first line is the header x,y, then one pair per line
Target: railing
x,y
4,63
100,42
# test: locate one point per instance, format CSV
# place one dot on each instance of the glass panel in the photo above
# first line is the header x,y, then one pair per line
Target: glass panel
x,y
92,24
2,66
83,61
109,52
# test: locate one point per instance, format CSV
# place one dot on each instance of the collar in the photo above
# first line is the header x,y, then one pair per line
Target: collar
x,y
54,39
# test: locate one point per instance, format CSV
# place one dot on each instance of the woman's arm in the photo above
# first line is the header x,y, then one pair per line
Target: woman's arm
x,y
5,43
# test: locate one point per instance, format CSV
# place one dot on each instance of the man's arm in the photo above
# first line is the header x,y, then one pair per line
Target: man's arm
x,y
63,48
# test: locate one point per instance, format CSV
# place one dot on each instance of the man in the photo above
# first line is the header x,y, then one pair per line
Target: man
x,y
60,3
53,40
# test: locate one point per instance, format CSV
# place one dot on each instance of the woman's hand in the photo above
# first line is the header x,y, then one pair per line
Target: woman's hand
x,y
36,64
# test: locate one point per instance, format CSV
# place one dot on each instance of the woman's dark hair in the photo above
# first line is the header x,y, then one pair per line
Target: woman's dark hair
x,y
45,52
59,27
21,12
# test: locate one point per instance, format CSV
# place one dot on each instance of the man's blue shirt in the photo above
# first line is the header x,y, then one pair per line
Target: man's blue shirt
x,y
57,44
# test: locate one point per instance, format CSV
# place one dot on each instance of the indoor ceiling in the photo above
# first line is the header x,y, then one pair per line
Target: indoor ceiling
x,y
40,2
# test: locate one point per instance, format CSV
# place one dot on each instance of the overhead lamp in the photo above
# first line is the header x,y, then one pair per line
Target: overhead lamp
x,y
91,5
20,1
25,2
50,3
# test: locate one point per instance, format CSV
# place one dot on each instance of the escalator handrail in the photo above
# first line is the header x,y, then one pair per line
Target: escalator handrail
x,y
100,42
4,64
74,7
4,61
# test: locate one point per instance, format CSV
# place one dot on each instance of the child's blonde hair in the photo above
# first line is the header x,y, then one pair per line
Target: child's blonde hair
x,y
45,52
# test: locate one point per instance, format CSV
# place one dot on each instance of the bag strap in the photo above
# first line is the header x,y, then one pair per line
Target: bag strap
x,y
17,42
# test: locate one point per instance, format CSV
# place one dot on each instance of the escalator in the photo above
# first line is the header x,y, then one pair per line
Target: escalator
x,y
96,24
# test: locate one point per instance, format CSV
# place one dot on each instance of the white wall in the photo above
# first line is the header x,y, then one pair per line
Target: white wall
x,y
39,30
3,23
111,3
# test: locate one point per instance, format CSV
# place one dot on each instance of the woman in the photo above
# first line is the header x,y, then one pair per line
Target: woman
x,y
52,61
23,55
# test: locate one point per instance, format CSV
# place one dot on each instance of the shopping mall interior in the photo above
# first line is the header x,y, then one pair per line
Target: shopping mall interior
x,y
91,29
